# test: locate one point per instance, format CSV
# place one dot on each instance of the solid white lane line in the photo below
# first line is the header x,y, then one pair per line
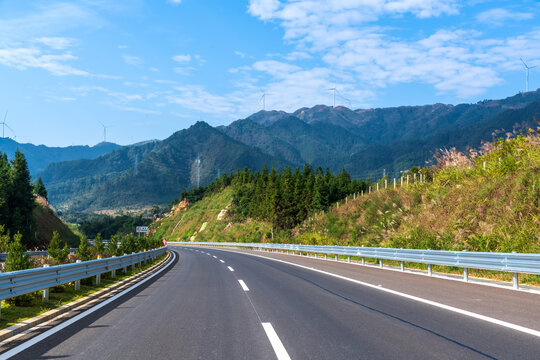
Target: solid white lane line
x,y
221,260
230,268
419,299
214,256
243,285
279,349
74,319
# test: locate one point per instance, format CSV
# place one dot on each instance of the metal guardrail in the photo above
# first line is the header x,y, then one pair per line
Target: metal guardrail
x,y
21,282
506,262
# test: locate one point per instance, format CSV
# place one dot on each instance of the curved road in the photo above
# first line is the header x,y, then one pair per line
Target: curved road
x,y
199,309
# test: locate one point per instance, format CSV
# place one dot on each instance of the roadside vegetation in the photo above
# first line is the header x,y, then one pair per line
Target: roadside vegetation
x,y
485,199
12,313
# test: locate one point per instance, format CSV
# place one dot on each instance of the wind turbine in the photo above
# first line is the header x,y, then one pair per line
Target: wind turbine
x,y
104,131
334,90
263,98
4,125
527,68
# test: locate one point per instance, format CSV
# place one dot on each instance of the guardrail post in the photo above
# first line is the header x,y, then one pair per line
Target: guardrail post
x,y
515,277
429,269
98,279
380,263
465,274
325,256
78,282
336,258
402,266
348,259
45,291
113,271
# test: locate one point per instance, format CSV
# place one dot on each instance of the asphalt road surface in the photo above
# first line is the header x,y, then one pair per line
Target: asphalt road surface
x,y
217,304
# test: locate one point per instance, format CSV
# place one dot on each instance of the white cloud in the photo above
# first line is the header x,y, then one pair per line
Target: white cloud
x,y
175,2
182,58
345,34
47,22
500,16
241,54
132,60
264,9
56,43
195,97
23,58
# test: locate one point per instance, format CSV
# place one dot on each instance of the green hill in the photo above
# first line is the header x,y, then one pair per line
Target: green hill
x,y
46,222
368,142
478,203
149,174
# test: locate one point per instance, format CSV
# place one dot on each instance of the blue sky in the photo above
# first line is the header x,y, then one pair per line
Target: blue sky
x,y
149,68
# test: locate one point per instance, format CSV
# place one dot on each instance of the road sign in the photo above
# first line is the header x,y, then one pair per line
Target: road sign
x,y
164,241
142,229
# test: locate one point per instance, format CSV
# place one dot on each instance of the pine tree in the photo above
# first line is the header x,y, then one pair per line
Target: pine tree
x,y
5,190
17,259
21,200
4,240
112,246
58,253
98,245
39,188
84,251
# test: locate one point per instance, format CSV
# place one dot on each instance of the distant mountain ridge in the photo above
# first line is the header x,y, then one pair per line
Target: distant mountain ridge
x,y
151,173
364,142
379,138
39,156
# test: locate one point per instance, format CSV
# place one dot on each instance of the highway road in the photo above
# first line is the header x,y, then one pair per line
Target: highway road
x,y
219,304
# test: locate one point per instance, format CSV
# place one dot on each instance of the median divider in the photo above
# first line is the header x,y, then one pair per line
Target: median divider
x,y
86,301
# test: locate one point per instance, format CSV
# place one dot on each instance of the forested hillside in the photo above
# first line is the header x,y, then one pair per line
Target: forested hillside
x,y
152,173
368,142
486,199
24,208
365,143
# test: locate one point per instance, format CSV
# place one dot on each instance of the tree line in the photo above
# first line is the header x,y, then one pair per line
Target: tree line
x,y
17,198
285,199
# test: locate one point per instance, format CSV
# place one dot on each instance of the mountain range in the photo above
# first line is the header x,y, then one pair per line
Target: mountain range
x,y
364,142
150,173
39,156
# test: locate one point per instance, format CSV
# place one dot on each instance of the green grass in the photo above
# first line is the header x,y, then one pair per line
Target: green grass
x,y
61,295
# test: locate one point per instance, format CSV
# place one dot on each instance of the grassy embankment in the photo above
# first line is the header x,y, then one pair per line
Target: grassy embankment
x,y
61,295
46,222
485,203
